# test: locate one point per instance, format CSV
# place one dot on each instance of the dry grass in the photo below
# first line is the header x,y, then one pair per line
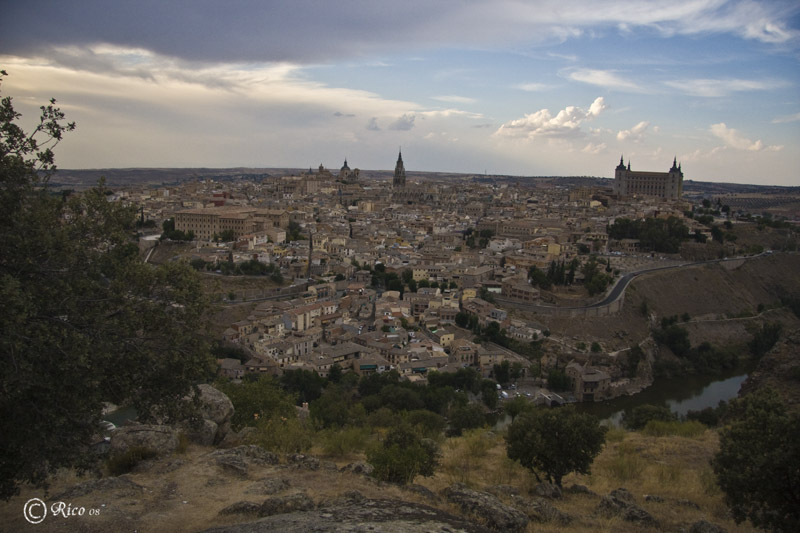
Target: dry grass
x,y
190,497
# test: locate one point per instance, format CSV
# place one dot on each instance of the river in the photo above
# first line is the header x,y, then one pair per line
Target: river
x,y
687,393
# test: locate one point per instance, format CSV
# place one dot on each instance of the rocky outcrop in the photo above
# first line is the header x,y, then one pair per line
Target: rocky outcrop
x,y
389,516
163,440
286,504
237,461
497,515
213,422
621,503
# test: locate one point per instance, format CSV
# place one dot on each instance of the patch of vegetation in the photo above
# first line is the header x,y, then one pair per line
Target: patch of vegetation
x,y
654,234
638,417
661,428
122,463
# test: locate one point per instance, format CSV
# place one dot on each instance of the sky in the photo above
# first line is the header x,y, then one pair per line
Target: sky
x,y
528,88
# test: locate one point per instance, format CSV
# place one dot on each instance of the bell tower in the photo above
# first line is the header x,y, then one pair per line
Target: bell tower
x,y
399,179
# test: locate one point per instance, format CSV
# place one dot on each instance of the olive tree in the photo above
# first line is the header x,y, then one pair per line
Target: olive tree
x,y
555,442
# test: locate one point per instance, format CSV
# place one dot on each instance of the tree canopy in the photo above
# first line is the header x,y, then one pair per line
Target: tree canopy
x,y
555,442
758,463
85,321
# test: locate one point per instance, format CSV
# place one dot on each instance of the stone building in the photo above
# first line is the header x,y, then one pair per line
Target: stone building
x,y
665,185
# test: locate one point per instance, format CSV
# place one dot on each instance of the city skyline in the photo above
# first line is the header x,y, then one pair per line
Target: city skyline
x,y
518,88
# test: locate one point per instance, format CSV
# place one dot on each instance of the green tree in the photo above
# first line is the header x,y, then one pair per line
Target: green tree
x,y
502,371
85,321
515,406
257,400
403,455
758,463
555,442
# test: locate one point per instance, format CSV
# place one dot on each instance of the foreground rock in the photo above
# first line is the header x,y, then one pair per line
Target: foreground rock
x,y
388,516
214,417
498,516
621,503
163,440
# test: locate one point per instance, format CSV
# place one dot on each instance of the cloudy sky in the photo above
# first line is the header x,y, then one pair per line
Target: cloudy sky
x,y
545,87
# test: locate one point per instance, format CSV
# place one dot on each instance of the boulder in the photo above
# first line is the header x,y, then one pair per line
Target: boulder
x,y
498,516
163,440
237,461
548,490
242,507
620,502
303,461
268,486
359,468
541,510
213,421
286,504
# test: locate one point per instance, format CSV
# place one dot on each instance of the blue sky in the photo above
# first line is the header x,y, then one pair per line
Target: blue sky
x,y
507,87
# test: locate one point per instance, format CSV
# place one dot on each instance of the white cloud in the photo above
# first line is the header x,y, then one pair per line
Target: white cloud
x,y
635,134
532,87
594,149
735,139
453,99
604,78
713,88
567,123
786,118
372,124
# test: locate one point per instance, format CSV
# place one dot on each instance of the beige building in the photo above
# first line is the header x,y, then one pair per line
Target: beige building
x,y
666,185
205,223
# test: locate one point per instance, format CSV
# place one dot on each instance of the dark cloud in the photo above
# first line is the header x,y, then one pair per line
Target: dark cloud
x,y
372,125
340,114
211,30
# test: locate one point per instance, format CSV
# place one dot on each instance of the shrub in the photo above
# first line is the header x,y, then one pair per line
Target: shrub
x,y
638,417
284,435
403,455
344,441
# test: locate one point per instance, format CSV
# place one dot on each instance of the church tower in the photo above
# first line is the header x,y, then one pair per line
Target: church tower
x,y
399,179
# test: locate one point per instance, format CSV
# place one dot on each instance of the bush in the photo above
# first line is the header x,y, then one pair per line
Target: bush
x,y
638,417
341,442
122,463
284,435
403,455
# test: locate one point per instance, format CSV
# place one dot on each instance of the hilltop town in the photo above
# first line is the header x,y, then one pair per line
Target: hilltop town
x,y
323,268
